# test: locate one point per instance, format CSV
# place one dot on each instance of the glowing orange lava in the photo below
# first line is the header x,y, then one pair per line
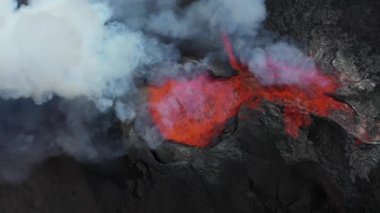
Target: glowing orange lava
x,y
194,111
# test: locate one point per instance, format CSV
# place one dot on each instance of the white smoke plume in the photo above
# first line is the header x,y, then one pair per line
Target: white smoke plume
x,y
65,48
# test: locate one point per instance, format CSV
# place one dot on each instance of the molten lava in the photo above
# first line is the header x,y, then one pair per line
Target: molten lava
x,y
194,111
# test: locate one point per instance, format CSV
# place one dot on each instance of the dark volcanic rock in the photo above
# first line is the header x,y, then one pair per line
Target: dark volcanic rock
x,y
58,185
245,172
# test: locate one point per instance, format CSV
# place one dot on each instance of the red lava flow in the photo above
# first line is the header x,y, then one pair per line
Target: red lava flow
x,y
194,111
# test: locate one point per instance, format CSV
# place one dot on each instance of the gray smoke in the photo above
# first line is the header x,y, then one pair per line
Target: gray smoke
x,y
30,133
279,63
197,19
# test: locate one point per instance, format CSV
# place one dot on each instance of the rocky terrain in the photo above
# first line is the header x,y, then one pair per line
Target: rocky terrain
x,y
254,166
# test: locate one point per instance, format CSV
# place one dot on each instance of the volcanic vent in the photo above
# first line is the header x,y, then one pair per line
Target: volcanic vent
x,y
193,111
189,106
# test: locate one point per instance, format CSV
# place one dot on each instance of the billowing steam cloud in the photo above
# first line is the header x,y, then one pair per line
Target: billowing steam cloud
x,y
78,59
64,47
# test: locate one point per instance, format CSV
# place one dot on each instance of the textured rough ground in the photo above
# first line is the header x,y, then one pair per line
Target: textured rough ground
x,y
255,167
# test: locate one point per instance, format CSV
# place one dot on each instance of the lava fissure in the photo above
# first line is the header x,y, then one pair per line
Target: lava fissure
x,y
194,111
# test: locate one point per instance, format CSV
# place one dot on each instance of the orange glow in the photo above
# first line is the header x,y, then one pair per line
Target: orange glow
x,y
194,111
